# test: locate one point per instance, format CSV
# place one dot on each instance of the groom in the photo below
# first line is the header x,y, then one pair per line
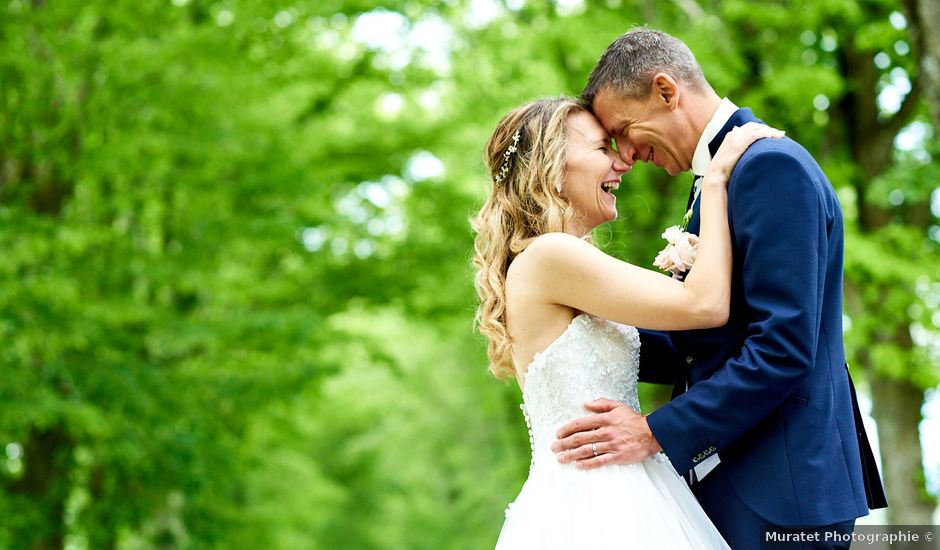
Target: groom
x,y
764,417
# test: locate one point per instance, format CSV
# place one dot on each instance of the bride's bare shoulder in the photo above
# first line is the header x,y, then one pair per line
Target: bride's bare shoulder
x,y
547,249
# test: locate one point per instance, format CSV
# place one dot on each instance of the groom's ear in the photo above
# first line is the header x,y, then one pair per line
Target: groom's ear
x,y
666,91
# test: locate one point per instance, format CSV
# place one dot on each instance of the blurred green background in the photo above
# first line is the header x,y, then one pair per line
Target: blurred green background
x,y
236,303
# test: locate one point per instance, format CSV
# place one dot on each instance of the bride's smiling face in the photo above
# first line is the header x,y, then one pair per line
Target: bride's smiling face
x,y
592,172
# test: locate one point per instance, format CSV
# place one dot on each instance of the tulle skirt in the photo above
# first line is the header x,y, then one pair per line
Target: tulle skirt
x,y
638,506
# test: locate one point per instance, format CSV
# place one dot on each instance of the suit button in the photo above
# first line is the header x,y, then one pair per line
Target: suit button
x,y
689,360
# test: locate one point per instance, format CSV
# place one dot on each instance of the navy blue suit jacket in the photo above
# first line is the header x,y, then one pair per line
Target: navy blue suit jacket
x,y
770,390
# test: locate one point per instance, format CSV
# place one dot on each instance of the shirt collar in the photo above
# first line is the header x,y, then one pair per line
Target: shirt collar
x,y
702,157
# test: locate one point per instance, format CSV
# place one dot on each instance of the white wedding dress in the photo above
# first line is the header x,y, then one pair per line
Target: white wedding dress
x,y
638,506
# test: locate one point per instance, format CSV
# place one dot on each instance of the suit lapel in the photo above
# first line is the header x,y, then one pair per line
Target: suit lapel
x,y
739,118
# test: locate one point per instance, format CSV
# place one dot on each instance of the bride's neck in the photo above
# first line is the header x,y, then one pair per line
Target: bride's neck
x,y
578,228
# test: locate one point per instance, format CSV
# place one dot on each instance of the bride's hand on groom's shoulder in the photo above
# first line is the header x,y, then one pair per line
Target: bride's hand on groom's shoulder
x,y
736,142
615,435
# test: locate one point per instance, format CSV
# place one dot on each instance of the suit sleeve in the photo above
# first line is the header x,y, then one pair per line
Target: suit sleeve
x,y
780,240
660,361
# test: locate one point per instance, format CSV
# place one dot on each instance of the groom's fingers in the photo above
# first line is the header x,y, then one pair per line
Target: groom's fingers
x,y
574,454
584,452
611,453
580,439
602,405
596,461
582,424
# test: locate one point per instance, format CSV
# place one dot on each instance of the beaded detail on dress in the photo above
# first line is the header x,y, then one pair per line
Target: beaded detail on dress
x,y
592,358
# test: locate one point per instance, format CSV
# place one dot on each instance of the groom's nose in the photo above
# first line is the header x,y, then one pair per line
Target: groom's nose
x,y
628,152
621,166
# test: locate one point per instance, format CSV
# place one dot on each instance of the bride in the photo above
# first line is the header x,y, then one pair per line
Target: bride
x,y
560,314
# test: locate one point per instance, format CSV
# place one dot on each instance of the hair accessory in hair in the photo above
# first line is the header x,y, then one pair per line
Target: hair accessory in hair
x,y
504,169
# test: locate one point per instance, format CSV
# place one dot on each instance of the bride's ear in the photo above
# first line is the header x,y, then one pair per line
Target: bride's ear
x,y
666,91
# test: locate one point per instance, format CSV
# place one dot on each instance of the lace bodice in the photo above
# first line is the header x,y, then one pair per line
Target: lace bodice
x,y
628,506
592,358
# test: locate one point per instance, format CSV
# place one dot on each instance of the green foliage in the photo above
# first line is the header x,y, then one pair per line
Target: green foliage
x,y
237,306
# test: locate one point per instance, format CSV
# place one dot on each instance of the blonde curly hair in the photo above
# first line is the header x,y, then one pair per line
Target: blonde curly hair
x,y
525,201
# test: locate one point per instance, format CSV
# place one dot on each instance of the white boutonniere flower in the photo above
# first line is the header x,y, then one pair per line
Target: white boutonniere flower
x,y
679,254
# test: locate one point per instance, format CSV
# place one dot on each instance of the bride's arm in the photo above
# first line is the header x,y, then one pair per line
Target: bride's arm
x,y
566,270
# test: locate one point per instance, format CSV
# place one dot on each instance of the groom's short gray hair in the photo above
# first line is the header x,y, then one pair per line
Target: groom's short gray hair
x,y
630,63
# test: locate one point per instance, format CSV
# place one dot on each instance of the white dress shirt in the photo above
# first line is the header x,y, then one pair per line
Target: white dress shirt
x,y
703,157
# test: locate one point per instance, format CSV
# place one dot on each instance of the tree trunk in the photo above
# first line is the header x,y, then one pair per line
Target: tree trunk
x,y
896,408
47,463
924,18
896,402
102,528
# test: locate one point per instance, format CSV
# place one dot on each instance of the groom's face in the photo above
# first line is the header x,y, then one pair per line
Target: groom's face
x,y
645,130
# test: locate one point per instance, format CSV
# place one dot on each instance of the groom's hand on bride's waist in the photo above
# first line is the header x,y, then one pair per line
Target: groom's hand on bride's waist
x,y
615,435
